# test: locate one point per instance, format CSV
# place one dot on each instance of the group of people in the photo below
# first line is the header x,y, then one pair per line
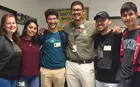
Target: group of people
x,y
19,55
83,54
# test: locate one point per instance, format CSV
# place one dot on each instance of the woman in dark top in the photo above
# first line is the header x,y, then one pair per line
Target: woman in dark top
x,y
10,53
30,59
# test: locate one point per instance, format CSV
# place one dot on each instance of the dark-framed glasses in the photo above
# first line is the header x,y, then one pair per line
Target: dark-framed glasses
x,y
76,10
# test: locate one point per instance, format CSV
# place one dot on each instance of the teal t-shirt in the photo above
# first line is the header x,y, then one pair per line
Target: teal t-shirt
x,y
52,56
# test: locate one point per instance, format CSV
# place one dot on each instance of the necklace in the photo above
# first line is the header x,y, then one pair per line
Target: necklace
x,y
29,42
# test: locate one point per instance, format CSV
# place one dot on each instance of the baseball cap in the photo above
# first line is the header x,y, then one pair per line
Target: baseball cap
x,y
102,14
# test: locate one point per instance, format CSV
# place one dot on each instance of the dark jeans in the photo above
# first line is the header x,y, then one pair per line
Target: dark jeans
x,y
136,79
125,83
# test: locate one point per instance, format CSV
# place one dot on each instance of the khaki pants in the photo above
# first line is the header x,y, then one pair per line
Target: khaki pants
x,y
55,77
80,75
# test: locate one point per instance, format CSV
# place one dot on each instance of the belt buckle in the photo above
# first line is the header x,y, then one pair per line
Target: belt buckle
x,y
71,60
84,61
77,61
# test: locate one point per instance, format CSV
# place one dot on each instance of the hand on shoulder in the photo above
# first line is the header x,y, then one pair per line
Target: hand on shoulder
x,y
41,31
117,30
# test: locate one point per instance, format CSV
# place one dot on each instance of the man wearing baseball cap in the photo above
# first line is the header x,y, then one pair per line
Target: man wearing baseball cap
x,y
107,45
102,14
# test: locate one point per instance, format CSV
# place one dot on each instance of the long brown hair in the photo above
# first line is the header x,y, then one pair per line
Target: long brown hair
x,y
24,33
3,30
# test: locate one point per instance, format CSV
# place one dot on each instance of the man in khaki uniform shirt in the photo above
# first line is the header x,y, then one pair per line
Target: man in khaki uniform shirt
x,y
80,50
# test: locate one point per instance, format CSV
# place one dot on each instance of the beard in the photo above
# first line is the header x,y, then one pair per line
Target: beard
x,y
100,30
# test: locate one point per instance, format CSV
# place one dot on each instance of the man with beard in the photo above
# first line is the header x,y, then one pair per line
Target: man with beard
x,y
107,45
80,49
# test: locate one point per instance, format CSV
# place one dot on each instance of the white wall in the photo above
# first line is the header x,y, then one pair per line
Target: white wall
x,y
111,6
28,7
36,8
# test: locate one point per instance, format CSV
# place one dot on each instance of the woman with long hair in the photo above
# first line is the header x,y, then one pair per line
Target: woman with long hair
x,y
10,52
30,59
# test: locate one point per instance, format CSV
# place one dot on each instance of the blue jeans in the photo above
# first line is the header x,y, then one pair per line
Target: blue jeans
x,y
7,83
28,81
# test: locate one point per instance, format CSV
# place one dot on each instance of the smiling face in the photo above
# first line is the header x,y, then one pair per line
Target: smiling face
x,y
129,18
10,25
102,24
52,21
77,12
31,29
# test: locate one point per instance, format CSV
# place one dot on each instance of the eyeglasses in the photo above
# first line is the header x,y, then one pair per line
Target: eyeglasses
x,y
51,18
100,21
78,10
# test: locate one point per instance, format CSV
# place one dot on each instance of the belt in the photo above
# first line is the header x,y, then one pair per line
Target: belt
x,y
81,61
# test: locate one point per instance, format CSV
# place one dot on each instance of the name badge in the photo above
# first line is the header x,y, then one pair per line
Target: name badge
x,y
84,32
74,48
57,44
107,48
21,84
